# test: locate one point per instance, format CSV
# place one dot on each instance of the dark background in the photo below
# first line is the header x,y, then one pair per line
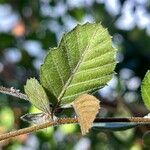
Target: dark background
x,y
28,28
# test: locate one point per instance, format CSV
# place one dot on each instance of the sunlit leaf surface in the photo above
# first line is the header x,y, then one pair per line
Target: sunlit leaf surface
x,y
83,62
145,90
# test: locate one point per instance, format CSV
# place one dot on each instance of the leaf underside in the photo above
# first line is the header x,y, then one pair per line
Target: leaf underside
x,y
37,95
86,107
145,90
83,62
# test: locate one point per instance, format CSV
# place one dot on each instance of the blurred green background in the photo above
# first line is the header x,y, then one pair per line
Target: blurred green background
x,y
28,28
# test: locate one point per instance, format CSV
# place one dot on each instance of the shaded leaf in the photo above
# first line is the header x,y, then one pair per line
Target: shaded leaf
x,y
145,90
124,136
115,126
119,126
37,95
86,107
83,62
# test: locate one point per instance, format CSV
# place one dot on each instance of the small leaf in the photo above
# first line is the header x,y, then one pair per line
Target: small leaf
x,y
145,90
86,107
37,95
83,62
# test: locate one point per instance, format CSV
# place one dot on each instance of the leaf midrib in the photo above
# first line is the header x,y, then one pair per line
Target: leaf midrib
x,y
75,69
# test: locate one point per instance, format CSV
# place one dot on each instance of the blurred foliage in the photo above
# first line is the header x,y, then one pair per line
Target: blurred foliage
x,y
29,28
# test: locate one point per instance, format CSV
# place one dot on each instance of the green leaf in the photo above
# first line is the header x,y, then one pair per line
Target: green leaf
x,y
37,95
145,90
83,62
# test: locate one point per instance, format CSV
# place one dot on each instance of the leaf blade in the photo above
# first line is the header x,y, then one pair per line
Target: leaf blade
x,y
37,95
83,54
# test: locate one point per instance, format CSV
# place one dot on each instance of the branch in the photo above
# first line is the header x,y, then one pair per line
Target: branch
x,y
61,121
37,127
13,92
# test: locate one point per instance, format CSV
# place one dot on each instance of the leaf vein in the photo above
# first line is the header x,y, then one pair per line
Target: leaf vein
x,y
58,70
87,81
51,87
99,56
86,91
96,68
76,68
67,54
